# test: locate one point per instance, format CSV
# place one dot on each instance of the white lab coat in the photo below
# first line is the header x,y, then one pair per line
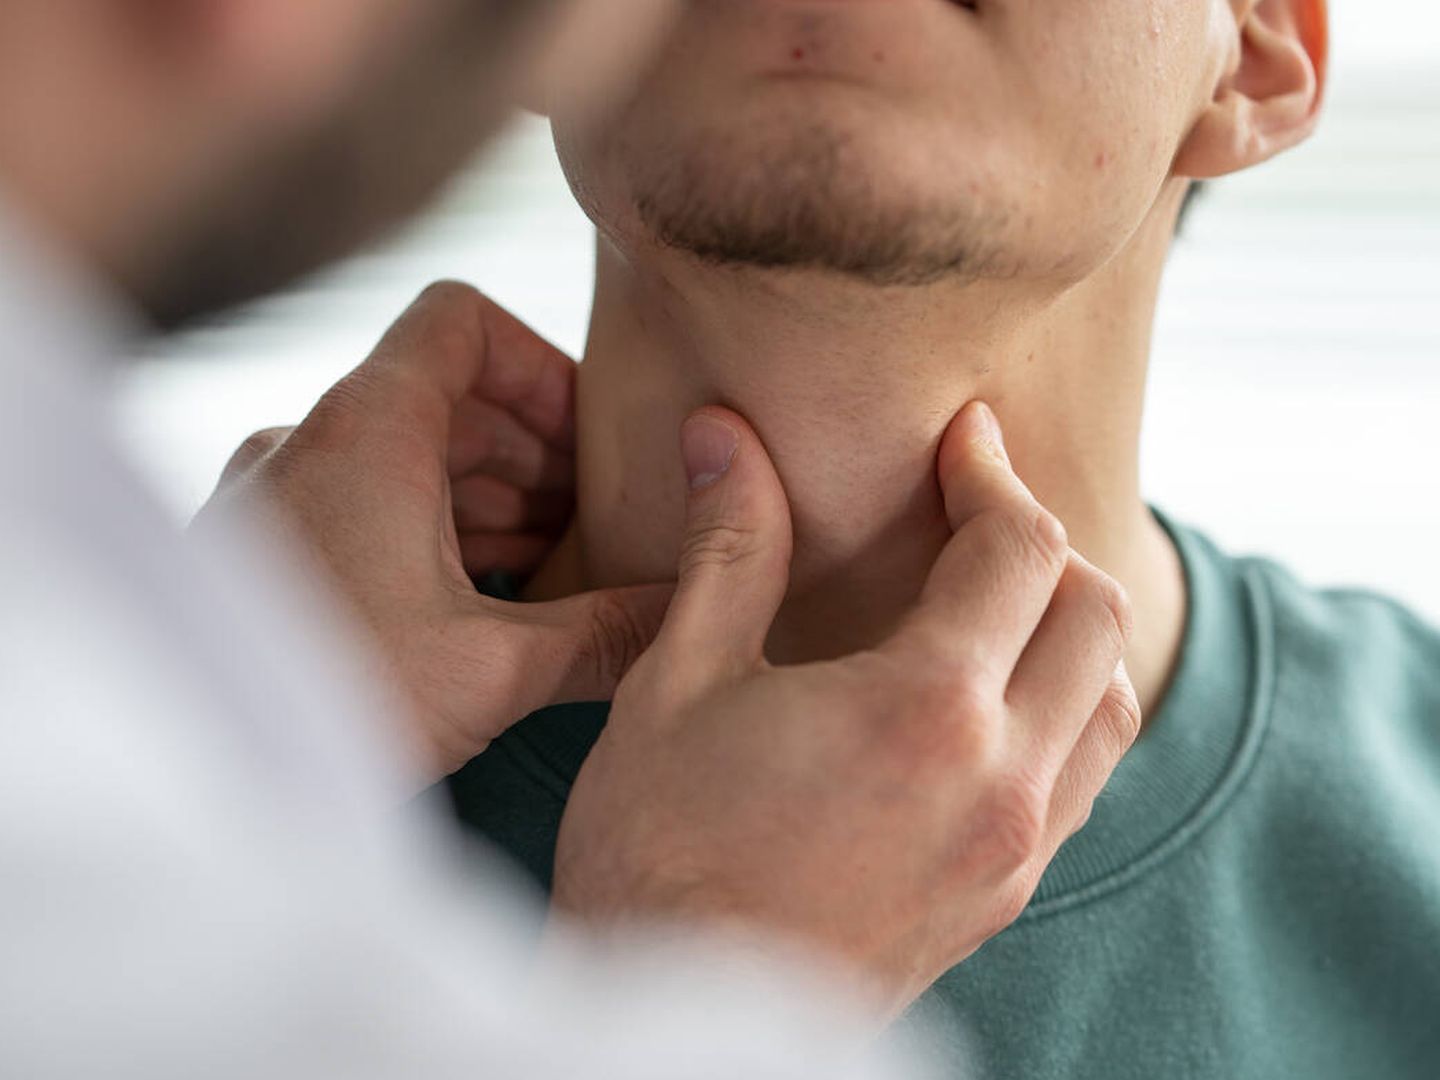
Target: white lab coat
x,y
203,871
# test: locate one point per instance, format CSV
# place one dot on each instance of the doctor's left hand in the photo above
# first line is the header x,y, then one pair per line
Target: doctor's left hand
x,y
449,453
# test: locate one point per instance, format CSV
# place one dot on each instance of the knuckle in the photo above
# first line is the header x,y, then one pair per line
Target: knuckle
x,y
1035,539
970,717
449,292
1011,900
258,446
1113,605
454,326
338,416
970,742
932,680
1120,719
1011,823
1105,601
719,544
945,722
255,449
266,440
956,660
617,637
1051,535
452,340
1116,601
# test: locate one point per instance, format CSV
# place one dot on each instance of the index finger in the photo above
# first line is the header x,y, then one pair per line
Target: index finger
x,y
454,342
992,583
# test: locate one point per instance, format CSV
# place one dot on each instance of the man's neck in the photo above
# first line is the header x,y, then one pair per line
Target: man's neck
x,y
850,387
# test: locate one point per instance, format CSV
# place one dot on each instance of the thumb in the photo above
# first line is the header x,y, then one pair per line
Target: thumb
x,y
735,556
975,470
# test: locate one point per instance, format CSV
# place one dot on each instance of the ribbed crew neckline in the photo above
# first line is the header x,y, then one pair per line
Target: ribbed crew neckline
x,y
1196,750
1197,746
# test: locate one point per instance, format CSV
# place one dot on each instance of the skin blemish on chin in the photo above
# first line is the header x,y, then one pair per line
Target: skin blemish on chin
x,y
1101,159
797,54
878,56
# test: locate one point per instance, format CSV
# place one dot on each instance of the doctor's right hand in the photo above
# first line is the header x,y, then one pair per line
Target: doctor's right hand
x,y
447,453
893,809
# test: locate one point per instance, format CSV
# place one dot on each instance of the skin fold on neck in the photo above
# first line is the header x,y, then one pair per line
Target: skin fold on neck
x,y
850,386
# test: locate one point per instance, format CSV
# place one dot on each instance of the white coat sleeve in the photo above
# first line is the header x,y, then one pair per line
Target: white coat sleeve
x,y
173,906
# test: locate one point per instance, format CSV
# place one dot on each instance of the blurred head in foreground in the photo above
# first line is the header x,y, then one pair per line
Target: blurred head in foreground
x,y
203,151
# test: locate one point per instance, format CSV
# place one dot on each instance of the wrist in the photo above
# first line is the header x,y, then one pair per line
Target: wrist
x,y
876,989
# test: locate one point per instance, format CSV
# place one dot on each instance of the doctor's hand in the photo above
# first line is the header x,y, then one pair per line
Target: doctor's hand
x,y
448,454
893,809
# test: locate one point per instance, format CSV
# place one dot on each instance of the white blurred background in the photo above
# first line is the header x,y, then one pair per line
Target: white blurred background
x,y
1296,378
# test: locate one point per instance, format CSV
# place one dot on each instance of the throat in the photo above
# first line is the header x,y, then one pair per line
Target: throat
x,y
850,389
852,429
866,511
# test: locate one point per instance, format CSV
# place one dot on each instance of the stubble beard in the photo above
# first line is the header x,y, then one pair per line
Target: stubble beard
x,y
804,195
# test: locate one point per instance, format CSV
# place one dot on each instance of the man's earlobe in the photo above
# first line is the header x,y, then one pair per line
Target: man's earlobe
x,y
1270,100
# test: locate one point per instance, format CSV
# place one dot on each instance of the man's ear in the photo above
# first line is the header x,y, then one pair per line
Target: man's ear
x,y
1269,98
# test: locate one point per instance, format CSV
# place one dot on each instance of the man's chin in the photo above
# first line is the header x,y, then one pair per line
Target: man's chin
x,y
812,219
848,189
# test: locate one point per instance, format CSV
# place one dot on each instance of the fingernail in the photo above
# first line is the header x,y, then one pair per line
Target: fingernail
x,y
708,447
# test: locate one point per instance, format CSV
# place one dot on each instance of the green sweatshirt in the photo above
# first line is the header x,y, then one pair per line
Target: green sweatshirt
x,y
1257,893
